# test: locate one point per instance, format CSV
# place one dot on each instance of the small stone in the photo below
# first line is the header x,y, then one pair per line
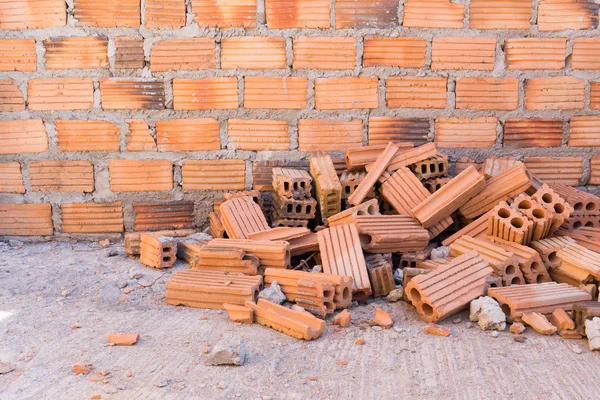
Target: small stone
x,y
163,383
517,328
15,243
128,290
359,341
228,355
81,369
576,349
312,378
495,334
112,253
488,314
592,331
6,368
457,320
121,283
519,338
64,293
342,319
104,243
440,252
317,268
273,293
398,329
395,295
135,273
377,328
437,330
398,275
383,319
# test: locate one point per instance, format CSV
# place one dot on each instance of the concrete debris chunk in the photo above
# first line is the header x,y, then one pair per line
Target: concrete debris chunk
x,y
228,355
592,331
488,314
395,295
273,293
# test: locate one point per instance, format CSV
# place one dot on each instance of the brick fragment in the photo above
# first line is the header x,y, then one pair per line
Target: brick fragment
x,y
133,239
129,53
61,176
17,54
462,280
366,14
123,339
132,94
217,230
87,135
225,13
462,132
76,53
306,289
60,94
262,172
595,170
324,52
496,165
348,216
435,184
505,14
11,180
585,131
558,15
273,92
32,14
328,135
586,53
213,175
561,320
391,233
258,134
475,53
554,93
346,93
328,187
298,324
108,13
23,136
140,176
564,170
403,52
433,14
578,265
164,14
11,98
536,53
241,216
239,314
192,134
595,95
539,323
533,132
416,92
342,319
210,289
26,219
225,259
253,52
380,274
487,93
92,217
282,14
185,54
170,216
157,251
139,137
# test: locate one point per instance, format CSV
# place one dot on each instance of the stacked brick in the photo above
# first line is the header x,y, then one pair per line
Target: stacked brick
x,y
293,205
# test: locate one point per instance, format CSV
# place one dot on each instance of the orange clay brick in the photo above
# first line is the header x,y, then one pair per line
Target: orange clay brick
x,y
533,132
258,134
346,93
132,94
253,52
329,135
187,54
61,176
536,53
585,131
140,176
189,134
76,53
108,13
564,170
11,98
225,13
558,15
92,217
487,93
282,14
499,14
403,52
396,129
129,53
32,14
416,92
433,14
595,170
324,52
164,14
17,54
205,94
165,216
26,219
586,53
459,132
213,174
11,180
60,94
366,14
87,135
595,95
23,136
139,137
554,93
273,92
262,172
475,53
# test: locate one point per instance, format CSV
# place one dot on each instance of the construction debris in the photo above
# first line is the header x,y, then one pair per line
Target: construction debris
x,y
273,293
342,319
488,314
592,331
123,339
227,355
539,323
383,319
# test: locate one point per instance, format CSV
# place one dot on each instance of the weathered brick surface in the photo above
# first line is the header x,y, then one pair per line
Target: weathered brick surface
x,y
132,94
225,13
433,14
533,132
487,93
258,134
190,54
366,14
404,52
46,94
11,180
26,219
11,98
324,52
533,53
164,14
270,92
396,129
140,176
129,52
23,136
61,176
87,135
32,14
500,14
76,53
188,134
253,52
156,217
476,53
565,170
213,175
328,135
556,93
283,14
416,92
108,13
139,137
92,217
455,132
17,55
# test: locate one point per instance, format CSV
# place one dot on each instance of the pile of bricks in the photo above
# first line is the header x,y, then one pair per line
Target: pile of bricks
x,y
505,234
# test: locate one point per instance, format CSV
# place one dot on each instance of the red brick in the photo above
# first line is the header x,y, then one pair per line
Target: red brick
x,y
555,93
533,132
274,92
585,131
76,53
474,133
404,52
487,93
282,14
225,13
132,94
324,52
558,15
23,136
190,134
17,54
416,92
108,13
140,176
11,180
536,53
187,54
328,135
26,219
500,14
586,53
346,93
366,14
87,135
564,170
11,98
61,176
595,170
595,95
476,53
253,52
60,94
258,134
213,174
396,129
167,216
32,14
433,14
129,52
92,217
164,14
139,137
205,94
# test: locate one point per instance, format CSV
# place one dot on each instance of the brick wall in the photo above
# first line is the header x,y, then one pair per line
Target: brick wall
x,y
122,103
